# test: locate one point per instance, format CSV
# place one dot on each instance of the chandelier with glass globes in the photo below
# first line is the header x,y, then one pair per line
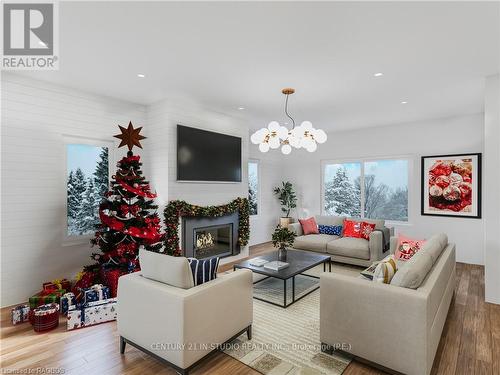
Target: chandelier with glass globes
x,y
276,135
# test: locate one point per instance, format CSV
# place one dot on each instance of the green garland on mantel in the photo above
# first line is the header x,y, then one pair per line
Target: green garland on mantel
x,y
176,209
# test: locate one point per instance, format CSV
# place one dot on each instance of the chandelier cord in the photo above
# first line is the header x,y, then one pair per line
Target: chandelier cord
x,y
286,111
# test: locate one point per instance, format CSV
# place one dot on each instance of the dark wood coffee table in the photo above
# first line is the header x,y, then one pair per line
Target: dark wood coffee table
x,y
299,262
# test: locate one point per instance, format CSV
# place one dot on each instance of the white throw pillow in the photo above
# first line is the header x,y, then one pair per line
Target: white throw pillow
x,y
174,271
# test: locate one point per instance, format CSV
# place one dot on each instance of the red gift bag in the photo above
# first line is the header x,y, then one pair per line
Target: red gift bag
x,y
110,278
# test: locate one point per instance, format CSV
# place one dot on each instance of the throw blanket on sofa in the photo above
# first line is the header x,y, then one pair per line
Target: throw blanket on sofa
x,y
386,238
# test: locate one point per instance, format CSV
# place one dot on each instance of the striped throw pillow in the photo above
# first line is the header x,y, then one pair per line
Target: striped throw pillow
x,y
385,270
203,270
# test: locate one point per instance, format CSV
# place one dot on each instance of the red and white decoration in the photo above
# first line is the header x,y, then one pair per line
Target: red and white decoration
x,y
451,185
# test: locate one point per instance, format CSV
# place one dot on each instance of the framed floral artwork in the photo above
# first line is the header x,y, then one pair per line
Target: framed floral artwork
x,y
451,185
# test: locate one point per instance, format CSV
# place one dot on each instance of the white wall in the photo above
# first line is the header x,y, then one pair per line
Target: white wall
x,y
270,176
444,136
492,188
35,116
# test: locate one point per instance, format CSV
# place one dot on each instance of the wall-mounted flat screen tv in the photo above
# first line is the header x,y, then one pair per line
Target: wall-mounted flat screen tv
x,y
207,156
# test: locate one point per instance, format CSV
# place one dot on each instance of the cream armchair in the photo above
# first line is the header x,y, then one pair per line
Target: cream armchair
x,y
182,326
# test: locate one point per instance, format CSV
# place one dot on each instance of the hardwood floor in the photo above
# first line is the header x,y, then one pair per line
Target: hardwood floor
x,y
470,343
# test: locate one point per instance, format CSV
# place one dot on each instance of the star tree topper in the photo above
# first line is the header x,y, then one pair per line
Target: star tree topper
x,y
130,137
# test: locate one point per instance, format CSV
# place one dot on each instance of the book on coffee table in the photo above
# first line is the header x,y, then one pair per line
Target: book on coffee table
x,y
258,262
276,265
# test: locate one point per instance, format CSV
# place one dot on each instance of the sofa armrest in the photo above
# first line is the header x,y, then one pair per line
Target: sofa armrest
x,y
216,311
374,321
296,228
376,245
393,245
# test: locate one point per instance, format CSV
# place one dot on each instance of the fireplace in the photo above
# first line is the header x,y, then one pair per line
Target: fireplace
x,y
213,241
205,237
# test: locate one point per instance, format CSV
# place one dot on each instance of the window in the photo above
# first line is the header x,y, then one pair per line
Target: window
x,y
374,189
253,186
386,190
342,192
86,183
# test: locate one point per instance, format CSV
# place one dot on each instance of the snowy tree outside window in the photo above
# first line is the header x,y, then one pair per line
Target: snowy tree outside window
x,y
253,186
384,194
87,182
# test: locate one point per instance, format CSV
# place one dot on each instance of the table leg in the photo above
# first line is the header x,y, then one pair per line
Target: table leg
x,y
293,289
324,266
330,265
284,293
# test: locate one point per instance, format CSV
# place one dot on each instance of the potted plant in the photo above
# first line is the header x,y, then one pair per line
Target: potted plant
x,y
288,201
283,237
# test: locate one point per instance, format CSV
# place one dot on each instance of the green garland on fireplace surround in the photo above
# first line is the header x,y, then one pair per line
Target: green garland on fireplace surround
x,y
177,208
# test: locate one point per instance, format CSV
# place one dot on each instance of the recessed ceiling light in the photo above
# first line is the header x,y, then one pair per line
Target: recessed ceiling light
x,y
140,75
404,102
241,108
378,74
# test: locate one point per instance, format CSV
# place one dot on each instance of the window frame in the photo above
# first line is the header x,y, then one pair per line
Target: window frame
x,y
69,240
362,160
255,161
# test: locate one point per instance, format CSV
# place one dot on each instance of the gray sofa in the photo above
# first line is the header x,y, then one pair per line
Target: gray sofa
x,y
398,325
357,251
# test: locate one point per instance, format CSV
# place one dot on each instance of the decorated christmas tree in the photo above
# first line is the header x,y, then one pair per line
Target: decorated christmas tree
x,y
129,220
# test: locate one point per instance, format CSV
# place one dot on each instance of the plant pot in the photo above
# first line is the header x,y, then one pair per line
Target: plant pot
x,y
285,221
282,254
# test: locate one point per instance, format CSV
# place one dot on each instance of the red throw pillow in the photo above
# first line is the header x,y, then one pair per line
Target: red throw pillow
x,y
407,247
309,226
352,228
366,230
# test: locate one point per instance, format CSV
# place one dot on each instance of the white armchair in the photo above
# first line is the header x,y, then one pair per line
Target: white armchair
x,y
182,326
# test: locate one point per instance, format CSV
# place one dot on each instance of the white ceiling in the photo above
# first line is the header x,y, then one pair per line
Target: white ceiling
x,y
227,55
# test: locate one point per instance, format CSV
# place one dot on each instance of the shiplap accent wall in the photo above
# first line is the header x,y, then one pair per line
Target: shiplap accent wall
x,y
161,151
163,118
35,118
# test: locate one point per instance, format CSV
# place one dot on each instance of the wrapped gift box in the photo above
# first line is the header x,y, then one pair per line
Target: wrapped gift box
x,y
57,284
45,317
67,300
45,297
97,292
20,314
96,313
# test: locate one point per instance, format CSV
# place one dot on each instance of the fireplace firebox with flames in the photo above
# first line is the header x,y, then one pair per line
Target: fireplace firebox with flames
x,y
205,237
